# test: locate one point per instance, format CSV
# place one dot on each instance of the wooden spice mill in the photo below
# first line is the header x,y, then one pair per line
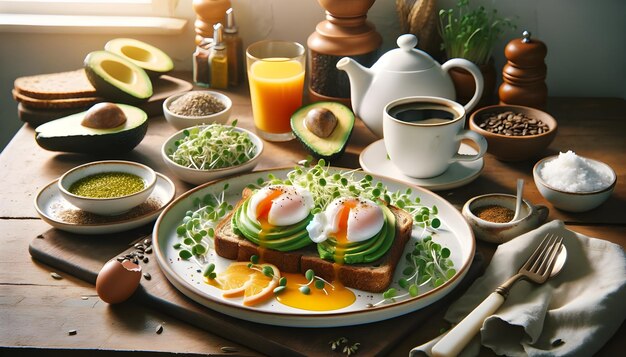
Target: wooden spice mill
x,y
345,32
524,73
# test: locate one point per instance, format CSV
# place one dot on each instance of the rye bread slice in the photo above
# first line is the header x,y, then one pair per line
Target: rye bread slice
x,y
68,103
62,85
374,277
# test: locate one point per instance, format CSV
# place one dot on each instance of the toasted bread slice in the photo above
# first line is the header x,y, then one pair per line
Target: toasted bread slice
x,y
69,103
62,85
374,277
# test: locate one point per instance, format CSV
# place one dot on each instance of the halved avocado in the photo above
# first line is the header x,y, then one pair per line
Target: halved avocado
x,y
116,78
154,61
314,126
69,135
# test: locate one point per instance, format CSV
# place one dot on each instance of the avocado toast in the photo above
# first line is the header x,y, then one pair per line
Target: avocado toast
x,y
371,276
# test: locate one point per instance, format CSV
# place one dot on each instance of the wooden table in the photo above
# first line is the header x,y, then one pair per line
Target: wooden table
x,y
36,310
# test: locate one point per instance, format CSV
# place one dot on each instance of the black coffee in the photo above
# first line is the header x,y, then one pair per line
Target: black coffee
x,y
422,113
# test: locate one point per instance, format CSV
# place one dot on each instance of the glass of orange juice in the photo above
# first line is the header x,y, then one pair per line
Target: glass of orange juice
x,y
276,77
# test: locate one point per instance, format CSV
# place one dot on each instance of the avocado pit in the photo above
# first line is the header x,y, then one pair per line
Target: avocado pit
x,y
104,116
320,121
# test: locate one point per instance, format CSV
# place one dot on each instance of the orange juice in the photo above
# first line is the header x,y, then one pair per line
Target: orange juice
x,y
276,92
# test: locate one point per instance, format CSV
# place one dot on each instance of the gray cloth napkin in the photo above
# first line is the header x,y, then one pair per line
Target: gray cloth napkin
x,y
573,314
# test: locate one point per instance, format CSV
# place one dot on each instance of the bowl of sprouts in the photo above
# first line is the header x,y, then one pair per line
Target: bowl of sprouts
x,y
203,153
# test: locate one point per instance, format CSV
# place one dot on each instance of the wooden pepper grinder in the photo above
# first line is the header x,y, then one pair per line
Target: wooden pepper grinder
x,y
208,13
524,73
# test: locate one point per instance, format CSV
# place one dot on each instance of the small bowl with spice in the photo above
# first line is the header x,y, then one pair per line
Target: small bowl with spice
x,y
192,108
107,187
490,217
574,183
514,132
207,152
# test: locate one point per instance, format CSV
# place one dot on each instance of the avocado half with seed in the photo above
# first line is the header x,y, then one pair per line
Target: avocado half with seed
x,y
117,78
153,60
69,134
324,128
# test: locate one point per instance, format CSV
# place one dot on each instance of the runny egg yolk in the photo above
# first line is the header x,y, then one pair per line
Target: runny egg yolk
x,y
342,230
263,210
333,298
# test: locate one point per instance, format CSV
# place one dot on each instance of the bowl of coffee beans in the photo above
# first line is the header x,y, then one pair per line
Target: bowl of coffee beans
x,y
514,132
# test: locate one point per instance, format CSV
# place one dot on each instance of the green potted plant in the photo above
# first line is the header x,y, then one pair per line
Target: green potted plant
x,y
471,34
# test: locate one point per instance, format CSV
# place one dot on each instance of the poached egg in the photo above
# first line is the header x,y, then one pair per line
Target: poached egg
x,y
280,205
347,219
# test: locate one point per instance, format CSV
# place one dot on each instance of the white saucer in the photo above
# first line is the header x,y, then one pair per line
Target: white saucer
x,y
374,159
51,207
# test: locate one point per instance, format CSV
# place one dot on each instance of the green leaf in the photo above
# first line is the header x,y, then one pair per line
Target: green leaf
x,y
184,254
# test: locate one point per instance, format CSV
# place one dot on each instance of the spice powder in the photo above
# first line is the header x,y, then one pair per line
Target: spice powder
x,y
494,213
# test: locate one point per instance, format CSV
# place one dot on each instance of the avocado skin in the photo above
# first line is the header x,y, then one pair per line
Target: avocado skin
x,y
98,144
69,135
109,90
338,140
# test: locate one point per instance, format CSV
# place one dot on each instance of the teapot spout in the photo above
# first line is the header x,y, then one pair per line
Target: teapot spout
x,y
360,79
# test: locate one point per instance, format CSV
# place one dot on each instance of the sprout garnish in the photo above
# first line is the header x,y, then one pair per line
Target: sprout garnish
x,y
214,146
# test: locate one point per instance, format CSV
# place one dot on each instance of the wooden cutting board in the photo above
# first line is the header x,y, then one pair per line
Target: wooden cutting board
x,y
83,255
164,87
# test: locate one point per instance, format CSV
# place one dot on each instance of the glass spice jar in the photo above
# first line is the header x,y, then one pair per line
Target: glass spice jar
x,y
201,68
345,32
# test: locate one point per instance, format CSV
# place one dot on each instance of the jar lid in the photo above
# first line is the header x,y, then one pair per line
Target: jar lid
x,y
526,51
406,58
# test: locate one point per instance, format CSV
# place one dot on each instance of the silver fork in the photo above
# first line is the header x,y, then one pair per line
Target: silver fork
x,y
537,269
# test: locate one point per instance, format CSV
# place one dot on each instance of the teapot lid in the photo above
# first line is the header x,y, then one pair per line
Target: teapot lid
x,y
406,58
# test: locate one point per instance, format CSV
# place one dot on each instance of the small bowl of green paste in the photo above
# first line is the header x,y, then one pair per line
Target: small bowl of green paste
x,y
107,187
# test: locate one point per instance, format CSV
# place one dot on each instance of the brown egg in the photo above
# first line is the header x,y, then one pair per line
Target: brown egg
x,y
117,281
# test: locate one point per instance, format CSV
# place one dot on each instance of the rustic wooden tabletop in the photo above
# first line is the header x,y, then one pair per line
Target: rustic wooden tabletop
x,y
36,311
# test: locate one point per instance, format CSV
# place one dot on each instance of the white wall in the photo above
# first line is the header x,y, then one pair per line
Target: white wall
x,y
586,42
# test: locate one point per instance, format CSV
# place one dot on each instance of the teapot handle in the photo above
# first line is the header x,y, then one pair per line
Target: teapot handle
x,y
474,71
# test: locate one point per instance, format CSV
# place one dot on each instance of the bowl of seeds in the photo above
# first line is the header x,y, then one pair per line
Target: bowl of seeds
x,y
514,132
184,110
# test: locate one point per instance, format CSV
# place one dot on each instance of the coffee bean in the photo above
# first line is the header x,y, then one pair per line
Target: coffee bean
x,y
512,124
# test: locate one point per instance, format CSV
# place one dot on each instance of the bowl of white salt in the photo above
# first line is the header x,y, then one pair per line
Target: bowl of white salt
x,y
574,183
184,110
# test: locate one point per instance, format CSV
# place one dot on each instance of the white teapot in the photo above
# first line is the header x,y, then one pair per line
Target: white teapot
x,y
402,72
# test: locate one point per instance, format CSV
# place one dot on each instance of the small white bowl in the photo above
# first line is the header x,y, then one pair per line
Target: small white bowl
x,y
574,201
182,121
530,218
107,206
197,177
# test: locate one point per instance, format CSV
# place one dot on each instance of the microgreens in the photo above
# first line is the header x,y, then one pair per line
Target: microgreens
x,y
268,272
471,34
318,282
198,224
428,262
325,186
212,147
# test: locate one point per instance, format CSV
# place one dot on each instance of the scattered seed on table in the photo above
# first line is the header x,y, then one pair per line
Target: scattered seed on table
x,y
147,276
72,332
85,297
558,342
159,329
146,260
147,242
229,349
148,250
56,276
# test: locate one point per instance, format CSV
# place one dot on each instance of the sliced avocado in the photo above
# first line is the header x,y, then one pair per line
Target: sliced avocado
x,y
68,134
154,61
116,78
283,239
311,124
366,251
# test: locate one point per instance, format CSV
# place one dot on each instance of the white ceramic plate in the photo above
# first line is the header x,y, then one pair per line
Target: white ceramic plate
x,y
374,159
52,208
187,277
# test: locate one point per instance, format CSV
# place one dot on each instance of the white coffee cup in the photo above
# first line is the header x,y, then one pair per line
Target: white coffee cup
x,y
423,134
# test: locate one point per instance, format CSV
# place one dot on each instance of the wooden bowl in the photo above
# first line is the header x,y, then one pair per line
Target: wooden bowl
x,y
514,148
